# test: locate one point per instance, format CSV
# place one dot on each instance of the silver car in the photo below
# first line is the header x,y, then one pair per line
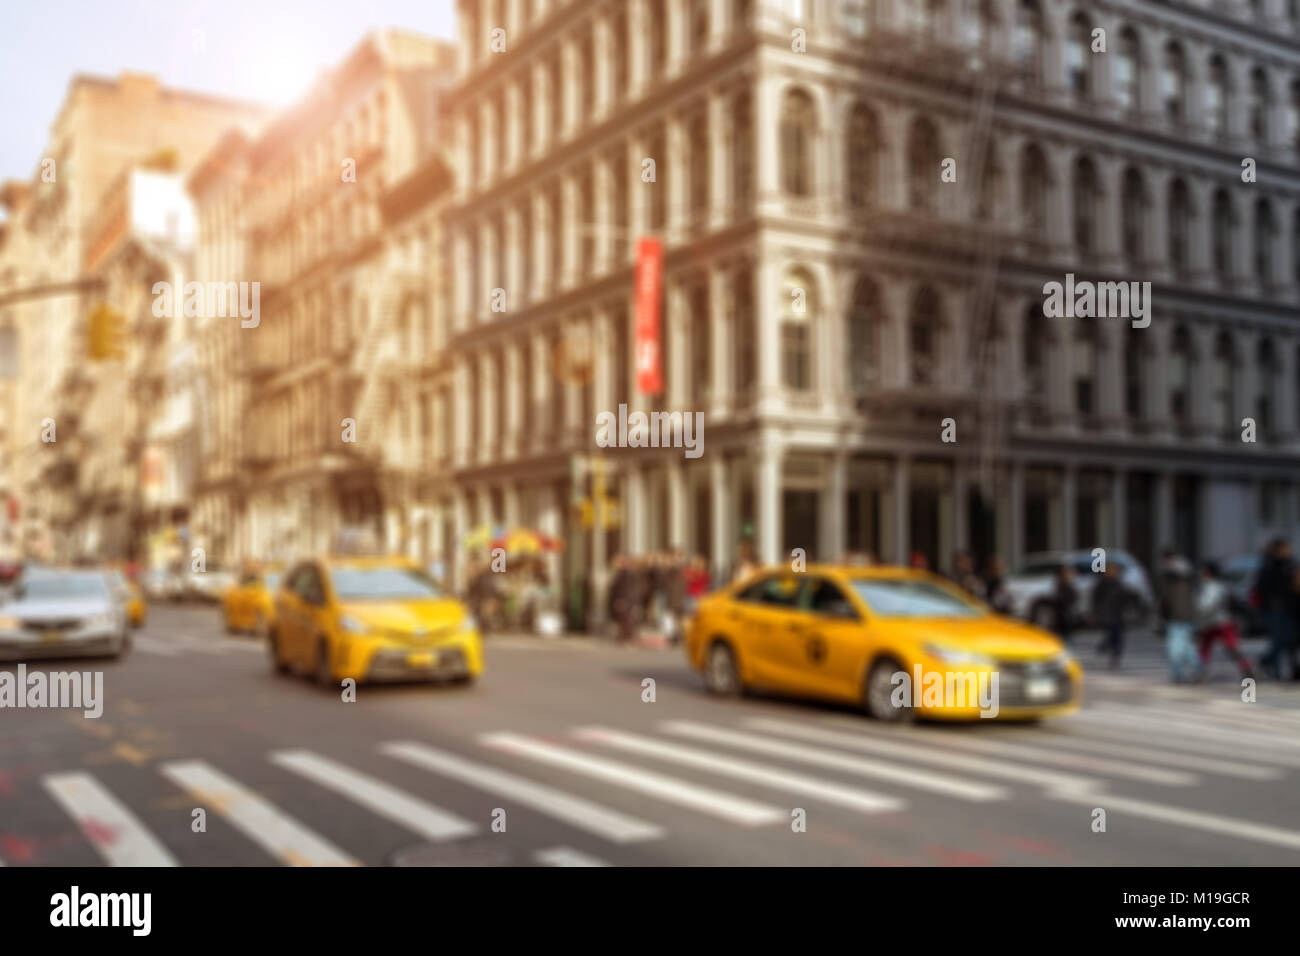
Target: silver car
x,y
63,613
1032,586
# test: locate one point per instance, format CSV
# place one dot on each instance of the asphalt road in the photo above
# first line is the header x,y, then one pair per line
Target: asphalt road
x,y
556,743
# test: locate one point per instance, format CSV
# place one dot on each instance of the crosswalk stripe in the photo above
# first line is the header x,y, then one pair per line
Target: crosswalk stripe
x,y
980,766
386,800
1174,740
1113,768
1243,721
1284,721
118,835
814,788
707,800
862,766
565,856
574,810
1205,764
1176,727
259,820
1180,816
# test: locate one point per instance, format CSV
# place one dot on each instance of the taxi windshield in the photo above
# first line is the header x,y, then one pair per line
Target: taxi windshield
x,y
384,584
907,598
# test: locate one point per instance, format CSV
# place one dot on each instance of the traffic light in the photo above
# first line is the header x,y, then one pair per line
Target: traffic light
x,y
106,334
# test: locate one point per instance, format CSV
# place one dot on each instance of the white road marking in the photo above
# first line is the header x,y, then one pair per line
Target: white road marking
x,y
1113,768
906,750
714,802
259,820
1180,741
1205,764
576,811
388,801
812,788
1188,728
1179,816
565,856
114,831
945,784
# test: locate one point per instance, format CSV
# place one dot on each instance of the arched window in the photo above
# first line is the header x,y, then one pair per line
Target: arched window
x,y
1266,369
1078,58
862,161
524,292
1261,104
1222,237
1035,338
923,165
656,21
863,330
798,137
744,332
658,195
981,25
1087,200
584,214
1223,373
699,26
799,305
527,120
586,78
1180,376
1027,40
927,17
1180,225
1173,84
742,151
699,152
1134,374
1133,216
989,190
701,357
1034,179
619,55
1128,71
1265,239
1217,95
1085,363
924,326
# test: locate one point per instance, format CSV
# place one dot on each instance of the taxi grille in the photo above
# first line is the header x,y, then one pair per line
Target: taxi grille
x,y
1016,680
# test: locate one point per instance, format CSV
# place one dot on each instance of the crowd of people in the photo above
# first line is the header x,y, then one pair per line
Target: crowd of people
x,y
657,590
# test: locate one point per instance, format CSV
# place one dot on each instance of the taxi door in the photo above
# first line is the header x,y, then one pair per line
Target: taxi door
x,y
776,621
290,608
825,648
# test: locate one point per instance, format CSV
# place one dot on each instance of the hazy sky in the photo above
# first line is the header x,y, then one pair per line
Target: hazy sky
x,y
265,50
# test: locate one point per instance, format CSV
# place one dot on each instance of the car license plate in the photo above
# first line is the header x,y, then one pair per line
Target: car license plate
x,y
1040,688
51,635
420,660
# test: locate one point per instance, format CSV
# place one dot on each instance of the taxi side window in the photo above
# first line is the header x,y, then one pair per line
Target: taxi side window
x,y
313,591
823,597
248,580
773,592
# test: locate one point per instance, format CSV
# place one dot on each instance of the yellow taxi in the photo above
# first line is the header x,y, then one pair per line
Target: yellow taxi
x,y
250,604
898,642
371,619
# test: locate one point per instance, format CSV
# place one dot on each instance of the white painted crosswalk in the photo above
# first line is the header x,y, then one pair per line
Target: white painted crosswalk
x,y
595,793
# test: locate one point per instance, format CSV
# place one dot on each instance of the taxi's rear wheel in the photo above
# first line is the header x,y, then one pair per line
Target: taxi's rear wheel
x,y
878,693
721,675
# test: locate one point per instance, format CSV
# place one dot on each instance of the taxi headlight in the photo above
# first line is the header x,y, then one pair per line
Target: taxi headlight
x,y
957,655
352,625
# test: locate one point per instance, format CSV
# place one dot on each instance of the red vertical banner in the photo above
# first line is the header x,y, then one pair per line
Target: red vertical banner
x,y
649,294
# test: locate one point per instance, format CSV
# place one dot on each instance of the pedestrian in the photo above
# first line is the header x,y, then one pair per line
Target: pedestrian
x,y
1109,598
624,598
995,586
1177,589
745,565
1275,590
1214,616
675,592
1064,599
964,576
919,561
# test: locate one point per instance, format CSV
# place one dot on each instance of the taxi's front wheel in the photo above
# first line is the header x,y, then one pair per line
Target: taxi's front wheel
x,y
878,693
721,676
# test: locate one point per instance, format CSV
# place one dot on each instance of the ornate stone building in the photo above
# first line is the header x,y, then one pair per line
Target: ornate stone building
x,y
830,299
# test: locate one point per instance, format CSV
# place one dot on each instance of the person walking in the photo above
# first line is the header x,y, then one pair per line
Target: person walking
x,y
624,598
1108,600
1064,599
1216,622
1177,589
995,586
1277,606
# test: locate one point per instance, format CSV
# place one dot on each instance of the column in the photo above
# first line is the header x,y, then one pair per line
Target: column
x,y
832,507
900,506
719,508
1164,511
634,506
675,482
767,495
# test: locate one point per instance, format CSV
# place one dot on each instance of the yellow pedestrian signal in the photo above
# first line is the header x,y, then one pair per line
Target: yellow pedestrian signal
x,y
106,334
